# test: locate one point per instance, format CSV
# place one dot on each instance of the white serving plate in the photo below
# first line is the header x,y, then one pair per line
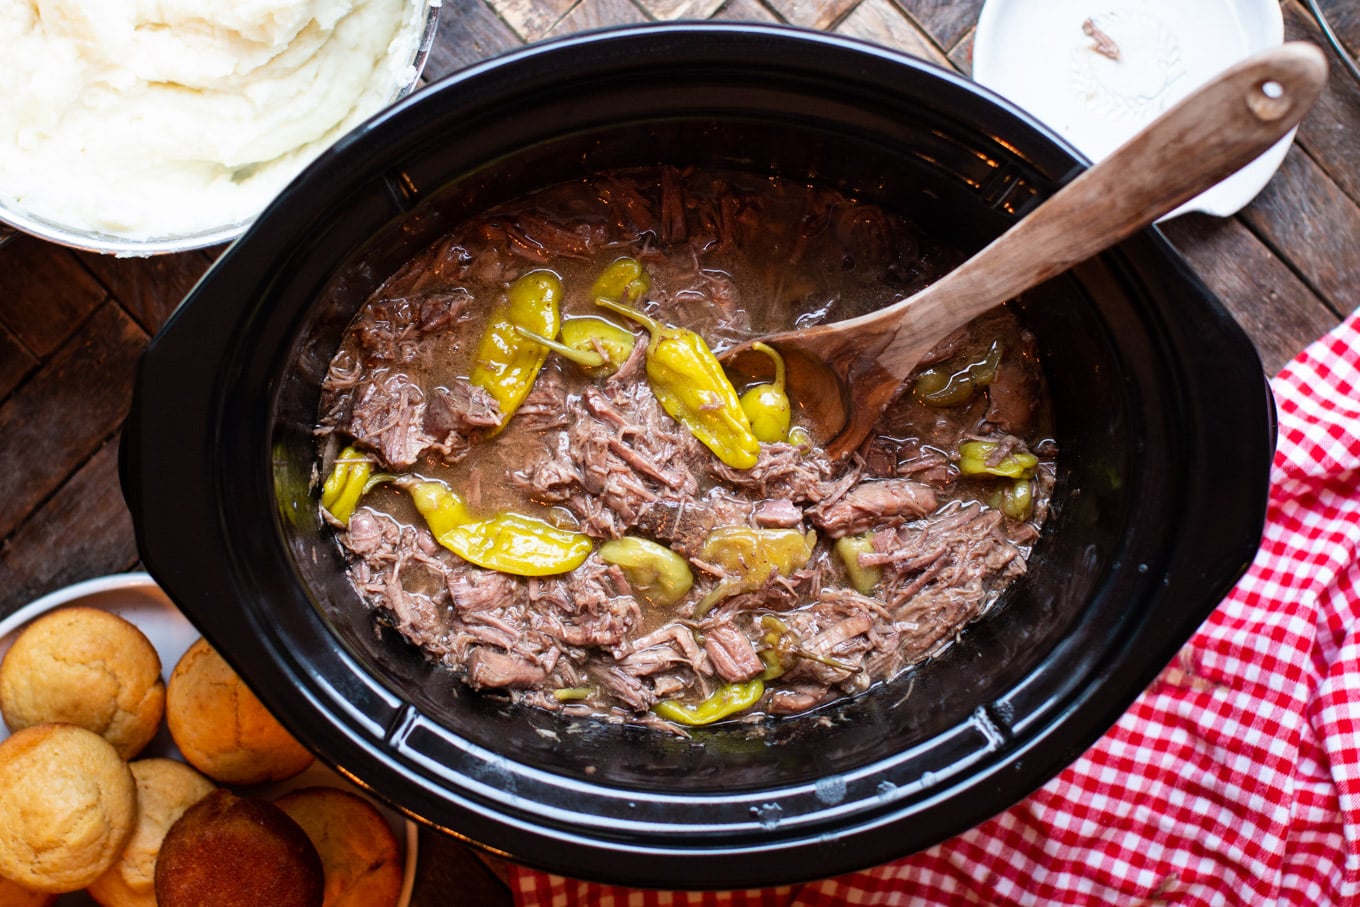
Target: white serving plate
x,y
136,598
1035,53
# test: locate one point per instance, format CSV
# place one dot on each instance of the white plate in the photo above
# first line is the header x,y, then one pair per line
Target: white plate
x,y
1035,53
136,598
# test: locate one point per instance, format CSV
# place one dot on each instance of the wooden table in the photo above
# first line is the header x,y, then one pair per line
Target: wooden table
x,y
72,324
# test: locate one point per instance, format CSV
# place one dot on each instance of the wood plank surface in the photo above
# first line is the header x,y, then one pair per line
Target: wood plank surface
x,y
589,14
15,361
948,22
72,324
884,22
531,19
44,294
469,31
64,413
83,530
149,289
1280,312
1329,134
1309,221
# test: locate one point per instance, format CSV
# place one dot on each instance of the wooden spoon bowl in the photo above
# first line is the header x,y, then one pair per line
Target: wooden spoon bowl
x,y
843,375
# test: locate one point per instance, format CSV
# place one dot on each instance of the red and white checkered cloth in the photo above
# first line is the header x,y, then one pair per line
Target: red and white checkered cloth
x,y
1233,779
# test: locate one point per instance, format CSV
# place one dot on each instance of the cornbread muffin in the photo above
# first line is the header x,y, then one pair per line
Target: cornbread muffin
x,y
230,851
359,853
222,728
86,667
12,894
165,789
68,805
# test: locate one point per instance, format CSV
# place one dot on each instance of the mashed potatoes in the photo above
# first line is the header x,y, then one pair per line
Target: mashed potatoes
x,y
164,118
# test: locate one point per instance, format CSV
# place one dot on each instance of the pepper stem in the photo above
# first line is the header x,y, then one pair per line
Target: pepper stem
x,y
777,359
650,323
584,358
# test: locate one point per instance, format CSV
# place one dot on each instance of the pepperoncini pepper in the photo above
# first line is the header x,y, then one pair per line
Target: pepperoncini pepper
x,y
1016,500
939,387
749,557
442,509
515,543
655,572
346,484
849,548
692,387
800,437
623,280
597,345
767,405
573,694
780,643
507,363
783,647
508,542
974,456
727,700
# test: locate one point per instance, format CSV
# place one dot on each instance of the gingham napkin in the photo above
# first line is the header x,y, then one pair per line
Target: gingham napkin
x,y
1234,778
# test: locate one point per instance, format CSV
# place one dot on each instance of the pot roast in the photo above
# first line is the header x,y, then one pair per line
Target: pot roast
x,y
544,524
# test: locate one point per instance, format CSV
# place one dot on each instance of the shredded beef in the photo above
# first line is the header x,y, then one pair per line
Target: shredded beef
x,y
487,667
1014,395
732,653
457,416
597,454
389,419
873,503
790,473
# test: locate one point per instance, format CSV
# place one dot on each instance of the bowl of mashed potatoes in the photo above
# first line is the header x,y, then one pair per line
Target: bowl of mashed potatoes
x,y
135,127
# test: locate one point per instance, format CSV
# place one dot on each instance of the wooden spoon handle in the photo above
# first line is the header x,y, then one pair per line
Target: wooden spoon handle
x,y
1209,135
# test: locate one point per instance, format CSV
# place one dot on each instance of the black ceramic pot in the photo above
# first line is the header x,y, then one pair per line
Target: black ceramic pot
x,y
1163,418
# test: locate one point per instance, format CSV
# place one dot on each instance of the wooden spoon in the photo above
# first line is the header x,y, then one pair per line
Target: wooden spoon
x,y
843,375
